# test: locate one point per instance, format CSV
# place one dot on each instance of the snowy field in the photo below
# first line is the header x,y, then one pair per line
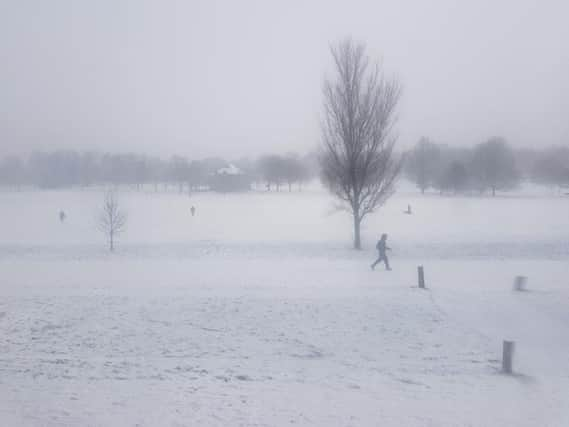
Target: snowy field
x,y
256,312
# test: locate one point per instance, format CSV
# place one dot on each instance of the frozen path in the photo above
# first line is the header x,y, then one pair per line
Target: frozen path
x,y
242,341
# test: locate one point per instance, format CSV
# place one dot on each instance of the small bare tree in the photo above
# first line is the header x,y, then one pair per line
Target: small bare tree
x,y
357,161
111,220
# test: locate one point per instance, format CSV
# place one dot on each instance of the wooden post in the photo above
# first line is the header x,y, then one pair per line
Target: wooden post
x,y
507,356
520,283
421,277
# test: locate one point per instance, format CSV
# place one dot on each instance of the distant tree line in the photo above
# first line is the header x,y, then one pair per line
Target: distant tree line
x,y
285,170
65,169
487,167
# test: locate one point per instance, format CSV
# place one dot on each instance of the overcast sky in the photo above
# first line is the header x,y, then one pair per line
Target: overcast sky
x,y
240,77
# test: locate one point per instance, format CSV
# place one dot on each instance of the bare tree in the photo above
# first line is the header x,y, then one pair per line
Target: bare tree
x,y
454,177
552,167
12,171
273,170
111,220
423,164
494,166
357,161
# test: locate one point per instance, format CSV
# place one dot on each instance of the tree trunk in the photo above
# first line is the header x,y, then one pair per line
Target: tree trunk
x,y
493,191
357,237
112,243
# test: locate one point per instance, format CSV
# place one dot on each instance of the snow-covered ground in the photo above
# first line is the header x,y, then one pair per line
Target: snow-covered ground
x,y
257,312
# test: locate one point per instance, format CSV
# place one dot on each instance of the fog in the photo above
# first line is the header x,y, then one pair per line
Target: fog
x,y
254,213
245,78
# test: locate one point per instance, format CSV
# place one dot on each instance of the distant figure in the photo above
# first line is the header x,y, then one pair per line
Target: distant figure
x,y
61,216
193,210
381,249
408,211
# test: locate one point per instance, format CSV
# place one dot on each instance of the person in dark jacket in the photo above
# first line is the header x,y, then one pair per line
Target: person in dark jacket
x,y
382,248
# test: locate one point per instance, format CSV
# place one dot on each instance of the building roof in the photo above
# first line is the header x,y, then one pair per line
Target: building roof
x,y
229,170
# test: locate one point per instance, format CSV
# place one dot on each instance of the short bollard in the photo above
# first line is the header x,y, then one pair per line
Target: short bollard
x,y
520,283
421,274
507,356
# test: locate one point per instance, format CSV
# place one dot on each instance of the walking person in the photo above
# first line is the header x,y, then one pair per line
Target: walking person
x,y
382,248
193,210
